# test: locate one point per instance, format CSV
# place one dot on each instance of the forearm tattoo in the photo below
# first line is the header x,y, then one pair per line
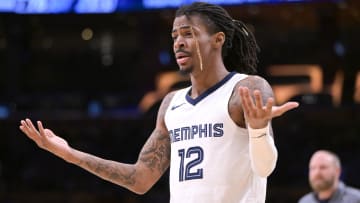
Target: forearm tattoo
x,y
110,170
156,152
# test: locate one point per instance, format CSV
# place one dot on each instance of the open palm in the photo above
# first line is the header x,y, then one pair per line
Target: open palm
x,y
45,138
256,113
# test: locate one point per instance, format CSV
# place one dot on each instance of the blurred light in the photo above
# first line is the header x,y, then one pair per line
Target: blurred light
x,y
161,4
152,4
94,108
107,60
127,5
339,48
95,6
111,6
7,5
42,6
106,49
106,43
164,57
4,112
87,34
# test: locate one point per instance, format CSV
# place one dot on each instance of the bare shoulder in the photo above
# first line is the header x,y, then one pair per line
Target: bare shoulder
x,y
160,131
163,107
253,82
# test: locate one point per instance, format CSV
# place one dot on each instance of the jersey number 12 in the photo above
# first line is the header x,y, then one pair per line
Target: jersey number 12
x,y
189,171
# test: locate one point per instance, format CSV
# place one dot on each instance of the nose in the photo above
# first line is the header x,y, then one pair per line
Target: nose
x,y
179,43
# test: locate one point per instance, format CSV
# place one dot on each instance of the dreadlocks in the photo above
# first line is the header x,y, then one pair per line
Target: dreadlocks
x,y
240,48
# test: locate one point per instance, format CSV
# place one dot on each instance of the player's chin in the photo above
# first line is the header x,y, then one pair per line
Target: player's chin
x,y
185,69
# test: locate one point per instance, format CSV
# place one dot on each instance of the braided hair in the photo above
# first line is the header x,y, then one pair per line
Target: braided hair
x,y
240,49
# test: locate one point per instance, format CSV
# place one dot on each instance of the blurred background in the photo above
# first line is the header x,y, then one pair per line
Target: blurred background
x,y
94,71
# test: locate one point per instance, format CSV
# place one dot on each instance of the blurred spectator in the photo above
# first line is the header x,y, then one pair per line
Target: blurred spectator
x,y
324,179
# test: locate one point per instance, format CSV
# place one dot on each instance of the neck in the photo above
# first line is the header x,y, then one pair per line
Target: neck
x,y
208,77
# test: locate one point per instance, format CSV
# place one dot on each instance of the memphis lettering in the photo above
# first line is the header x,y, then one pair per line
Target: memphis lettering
x,y
200,131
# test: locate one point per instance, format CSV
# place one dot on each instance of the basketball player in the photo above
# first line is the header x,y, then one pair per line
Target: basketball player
x,y
216,134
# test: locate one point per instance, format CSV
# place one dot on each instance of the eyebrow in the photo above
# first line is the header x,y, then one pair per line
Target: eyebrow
x,y
181,27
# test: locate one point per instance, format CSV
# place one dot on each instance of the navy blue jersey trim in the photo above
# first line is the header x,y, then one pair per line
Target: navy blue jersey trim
x,y
208,91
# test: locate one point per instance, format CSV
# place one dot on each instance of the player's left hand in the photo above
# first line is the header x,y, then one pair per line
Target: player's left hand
x,y
256,113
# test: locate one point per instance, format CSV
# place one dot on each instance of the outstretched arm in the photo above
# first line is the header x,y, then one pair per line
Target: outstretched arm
x,y
152,162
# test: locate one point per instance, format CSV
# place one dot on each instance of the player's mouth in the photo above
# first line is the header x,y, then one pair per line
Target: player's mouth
x,y
182,57
182,60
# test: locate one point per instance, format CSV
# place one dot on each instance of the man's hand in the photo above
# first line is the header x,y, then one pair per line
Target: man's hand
x,y
256,114
45,138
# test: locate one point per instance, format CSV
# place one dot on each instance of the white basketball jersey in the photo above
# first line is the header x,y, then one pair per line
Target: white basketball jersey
x,y
210,160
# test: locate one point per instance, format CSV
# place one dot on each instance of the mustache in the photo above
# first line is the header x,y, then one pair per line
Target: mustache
x,y
182,51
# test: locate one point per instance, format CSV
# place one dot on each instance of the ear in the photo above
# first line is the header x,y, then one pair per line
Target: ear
x,y
338,172
219,39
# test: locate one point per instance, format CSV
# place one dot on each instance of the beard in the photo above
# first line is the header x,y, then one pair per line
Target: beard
x,y
321,183
187,70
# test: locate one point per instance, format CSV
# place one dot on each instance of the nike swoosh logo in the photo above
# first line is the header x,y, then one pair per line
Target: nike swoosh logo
x,y
177,106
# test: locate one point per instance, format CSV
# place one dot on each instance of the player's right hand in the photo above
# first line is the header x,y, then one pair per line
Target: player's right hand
x,y
45,138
